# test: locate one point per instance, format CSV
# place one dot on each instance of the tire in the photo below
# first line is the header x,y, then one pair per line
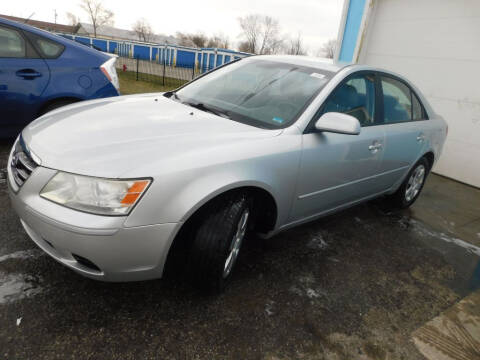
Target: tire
x,y
55,105
216,240
411,187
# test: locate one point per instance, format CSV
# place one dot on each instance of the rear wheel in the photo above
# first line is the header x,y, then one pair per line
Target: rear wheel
x,y
410,189
217,240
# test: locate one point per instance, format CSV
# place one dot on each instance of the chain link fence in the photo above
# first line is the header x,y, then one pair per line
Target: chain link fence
x,y
156,71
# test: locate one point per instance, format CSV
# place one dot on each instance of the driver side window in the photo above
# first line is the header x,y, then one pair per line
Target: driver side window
x,y
355,97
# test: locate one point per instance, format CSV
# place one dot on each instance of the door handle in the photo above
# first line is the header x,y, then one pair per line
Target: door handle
x,y
421,137
28,73
375,147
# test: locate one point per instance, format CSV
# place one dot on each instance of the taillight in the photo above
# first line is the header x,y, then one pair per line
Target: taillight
x,y
108,69
105,72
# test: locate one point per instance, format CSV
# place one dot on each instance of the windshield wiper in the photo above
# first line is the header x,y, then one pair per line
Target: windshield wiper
x,y
203,107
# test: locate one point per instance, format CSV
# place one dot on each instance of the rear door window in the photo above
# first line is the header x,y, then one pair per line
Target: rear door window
x,y
400,104
12,44
397,104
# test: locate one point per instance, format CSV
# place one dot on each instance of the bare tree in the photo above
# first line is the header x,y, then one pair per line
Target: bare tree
x,y
244,46
270,36
261,34
295,46
328,49
219,41
98,15
198,40
251,28
184,39
143,29
73,19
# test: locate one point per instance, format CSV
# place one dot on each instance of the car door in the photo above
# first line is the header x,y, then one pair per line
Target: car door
x,y
23,78
405,136
337,169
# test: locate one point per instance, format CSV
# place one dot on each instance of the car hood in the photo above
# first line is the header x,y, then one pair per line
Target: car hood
x,y
110,137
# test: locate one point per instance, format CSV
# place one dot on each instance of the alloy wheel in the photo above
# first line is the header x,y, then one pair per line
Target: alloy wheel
x,y
236,243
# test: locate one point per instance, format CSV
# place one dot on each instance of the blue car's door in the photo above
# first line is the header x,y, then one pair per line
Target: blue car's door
x,y
23,78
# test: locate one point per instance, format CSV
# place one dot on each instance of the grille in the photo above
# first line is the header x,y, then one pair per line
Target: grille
x,y
22,163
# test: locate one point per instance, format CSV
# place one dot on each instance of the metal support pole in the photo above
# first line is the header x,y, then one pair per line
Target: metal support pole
x,y
164,65
137,67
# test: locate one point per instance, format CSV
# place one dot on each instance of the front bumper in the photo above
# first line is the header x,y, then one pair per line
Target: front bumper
x,y
98,247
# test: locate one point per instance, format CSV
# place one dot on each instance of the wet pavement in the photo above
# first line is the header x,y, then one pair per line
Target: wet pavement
x,y
354,285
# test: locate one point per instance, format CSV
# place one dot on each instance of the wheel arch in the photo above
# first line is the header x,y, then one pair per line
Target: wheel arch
x,y
265,210
49,102
430,156
261,194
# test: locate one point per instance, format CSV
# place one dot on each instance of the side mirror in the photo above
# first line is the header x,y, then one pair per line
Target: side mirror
x,y
338,123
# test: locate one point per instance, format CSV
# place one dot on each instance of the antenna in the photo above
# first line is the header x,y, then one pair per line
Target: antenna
x,y
26,20
55,12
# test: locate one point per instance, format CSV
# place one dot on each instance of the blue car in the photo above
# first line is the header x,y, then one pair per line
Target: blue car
x,y
40,71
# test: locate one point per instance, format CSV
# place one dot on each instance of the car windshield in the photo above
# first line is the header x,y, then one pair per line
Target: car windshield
x,y
266,94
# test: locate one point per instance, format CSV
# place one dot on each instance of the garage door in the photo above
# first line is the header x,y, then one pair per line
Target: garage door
x,y
436,44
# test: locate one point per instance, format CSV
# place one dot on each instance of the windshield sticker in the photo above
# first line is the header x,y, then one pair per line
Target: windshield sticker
x,y
278,120
317,75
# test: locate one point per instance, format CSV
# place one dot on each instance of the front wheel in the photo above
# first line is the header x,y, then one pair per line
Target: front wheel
x,y
410,189
217,240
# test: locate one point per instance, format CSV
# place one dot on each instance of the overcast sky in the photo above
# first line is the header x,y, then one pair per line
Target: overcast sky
x,y
316,20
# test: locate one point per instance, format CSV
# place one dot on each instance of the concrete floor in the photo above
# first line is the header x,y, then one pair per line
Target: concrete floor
x,y
355,285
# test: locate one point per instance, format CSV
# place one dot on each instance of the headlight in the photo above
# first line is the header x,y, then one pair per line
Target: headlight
x,y
95,195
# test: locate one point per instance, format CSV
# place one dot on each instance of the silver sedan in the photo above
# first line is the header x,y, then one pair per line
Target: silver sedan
x,y
121,189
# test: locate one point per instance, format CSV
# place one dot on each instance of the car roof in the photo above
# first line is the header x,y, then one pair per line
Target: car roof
x,y
54,37
323,63
308,61
335,67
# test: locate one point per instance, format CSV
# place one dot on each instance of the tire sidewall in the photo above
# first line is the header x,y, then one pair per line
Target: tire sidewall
x,y
401,192
212,237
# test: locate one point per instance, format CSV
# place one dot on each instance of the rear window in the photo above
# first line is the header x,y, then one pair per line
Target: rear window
x,y
47,48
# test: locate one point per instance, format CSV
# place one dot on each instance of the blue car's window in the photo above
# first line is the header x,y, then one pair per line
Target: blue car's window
x,y
12,44
48,49
262,93
354,97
